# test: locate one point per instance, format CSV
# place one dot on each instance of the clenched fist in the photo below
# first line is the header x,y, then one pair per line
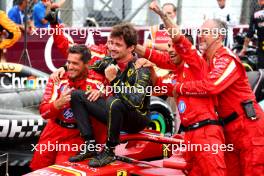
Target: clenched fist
x,y
155,7
111,72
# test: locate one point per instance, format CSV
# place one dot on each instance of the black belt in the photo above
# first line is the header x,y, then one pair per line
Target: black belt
x,y
228,119
65,124
201,124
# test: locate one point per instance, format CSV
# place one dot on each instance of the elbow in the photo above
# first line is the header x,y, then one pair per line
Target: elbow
x,y
213,90
45,112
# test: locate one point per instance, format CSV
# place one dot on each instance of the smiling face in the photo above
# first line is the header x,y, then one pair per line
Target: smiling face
x,y
122,42
118,48
207,37
76,66
175,58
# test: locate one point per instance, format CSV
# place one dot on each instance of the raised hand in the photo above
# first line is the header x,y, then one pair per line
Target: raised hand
x,y
93,95
142,62
154,6
55,76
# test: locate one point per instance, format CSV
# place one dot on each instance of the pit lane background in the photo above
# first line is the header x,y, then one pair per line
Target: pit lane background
x,y
46,57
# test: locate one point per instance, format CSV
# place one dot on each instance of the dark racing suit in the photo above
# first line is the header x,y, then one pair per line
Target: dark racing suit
x,y
193,109
61,128
228,80
257,23
126,110
137,115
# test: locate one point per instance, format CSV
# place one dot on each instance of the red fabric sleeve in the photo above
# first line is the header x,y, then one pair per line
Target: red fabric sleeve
x,y
165,84
46,108
161,59
61,41
224,72
191,56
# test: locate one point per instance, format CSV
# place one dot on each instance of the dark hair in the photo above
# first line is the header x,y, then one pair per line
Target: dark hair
x,y
189,37
127,31
171,4
83,50
19,2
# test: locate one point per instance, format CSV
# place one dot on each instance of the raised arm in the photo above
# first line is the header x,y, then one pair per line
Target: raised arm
x,y
160,58
173,29
61,42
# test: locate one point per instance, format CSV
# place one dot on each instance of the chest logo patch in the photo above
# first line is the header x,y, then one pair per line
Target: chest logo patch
x,y
181,106
88,88
68,114
129,72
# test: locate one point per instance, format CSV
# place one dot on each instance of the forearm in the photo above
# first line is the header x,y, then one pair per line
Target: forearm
x,y
48,110
246,43
43,21
161,59
60,40
48,9
161,46
171,27
140,50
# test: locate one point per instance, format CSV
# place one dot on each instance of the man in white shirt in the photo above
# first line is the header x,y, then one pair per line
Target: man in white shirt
x,y
225,14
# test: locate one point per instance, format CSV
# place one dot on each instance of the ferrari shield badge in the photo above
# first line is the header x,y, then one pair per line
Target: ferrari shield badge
x,y
121,173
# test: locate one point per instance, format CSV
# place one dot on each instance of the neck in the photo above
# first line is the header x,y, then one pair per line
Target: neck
x,y
211,50
126,59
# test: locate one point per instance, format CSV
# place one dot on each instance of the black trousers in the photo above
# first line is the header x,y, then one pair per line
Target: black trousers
x,y
112,112
83,110
260,63
121,117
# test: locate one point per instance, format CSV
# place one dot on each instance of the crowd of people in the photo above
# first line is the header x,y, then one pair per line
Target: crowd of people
x,y
37,18
210,87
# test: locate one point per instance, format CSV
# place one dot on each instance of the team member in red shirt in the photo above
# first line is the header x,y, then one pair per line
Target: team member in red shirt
x,y
201,124
63,44
61,129
242,117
